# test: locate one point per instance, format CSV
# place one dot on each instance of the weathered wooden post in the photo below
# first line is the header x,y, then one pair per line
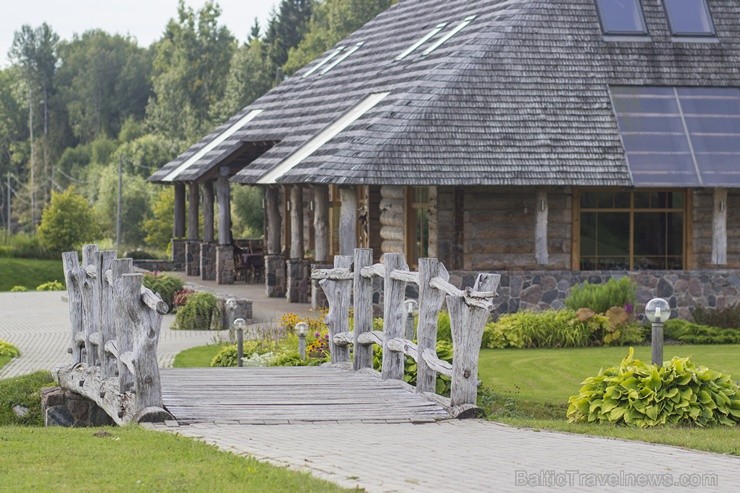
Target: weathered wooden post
x,y
468,315
124,337
363,314
108,364
90,302
73,277
430,302
338,292
178,228
321,223
393,315
193,207
296,222
540,230
208,224
348,220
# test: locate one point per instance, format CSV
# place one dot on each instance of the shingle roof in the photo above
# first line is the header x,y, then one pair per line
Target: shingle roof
x,y
518,97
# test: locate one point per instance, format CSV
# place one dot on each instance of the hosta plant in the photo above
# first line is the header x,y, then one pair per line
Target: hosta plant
x,y
642,394
7,349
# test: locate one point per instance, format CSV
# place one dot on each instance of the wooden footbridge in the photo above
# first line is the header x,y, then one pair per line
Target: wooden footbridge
x,y
116,323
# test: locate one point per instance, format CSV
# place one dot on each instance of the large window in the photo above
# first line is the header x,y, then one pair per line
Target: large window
x,y
689,17
632,230
621,17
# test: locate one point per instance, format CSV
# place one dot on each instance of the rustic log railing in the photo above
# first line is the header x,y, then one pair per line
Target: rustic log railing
x,y
115,324
352,278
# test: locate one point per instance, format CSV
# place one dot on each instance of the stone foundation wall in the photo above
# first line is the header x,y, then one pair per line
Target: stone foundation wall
x,y
208,261
275,276
156,265
178,254
225,264
298,281
65,408
684,290
192,258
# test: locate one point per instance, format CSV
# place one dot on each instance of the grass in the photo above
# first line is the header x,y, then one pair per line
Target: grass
x,y
131,458
28,272
197,357
530,388
23,391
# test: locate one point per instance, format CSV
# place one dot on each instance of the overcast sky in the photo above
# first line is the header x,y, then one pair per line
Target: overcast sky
x,y
143,19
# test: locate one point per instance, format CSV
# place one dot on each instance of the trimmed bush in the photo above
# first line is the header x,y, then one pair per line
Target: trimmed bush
x,y
199,312
7,349
164,284
644,395
50,286
691,333
600,297
727,318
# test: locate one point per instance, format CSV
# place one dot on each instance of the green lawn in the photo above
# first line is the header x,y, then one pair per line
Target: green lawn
x,y
197,357
530,388
134,459
29,272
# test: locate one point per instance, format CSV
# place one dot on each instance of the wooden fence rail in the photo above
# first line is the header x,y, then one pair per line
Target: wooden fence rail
x,y
115,324
352,279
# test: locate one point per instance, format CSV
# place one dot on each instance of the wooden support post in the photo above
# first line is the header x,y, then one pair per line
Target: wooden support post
x,y
108,364
178,231
467,324
272,209
540,229
193,210
73,277
394,315
296,222
348,221
208,229
90,301
339,293
124,338
321,223
223,191
719,227
430,302
363,314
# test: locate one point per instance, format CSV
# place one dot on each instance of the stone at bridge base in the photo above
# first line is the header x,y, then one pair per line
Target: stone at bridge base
x,y
208,261
65,408
299,280
192,258
275,276
178,254
225,264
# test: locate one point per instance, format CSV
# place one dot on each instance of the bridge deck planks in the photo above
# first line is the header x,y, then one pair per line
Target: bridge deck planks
x,y
289,394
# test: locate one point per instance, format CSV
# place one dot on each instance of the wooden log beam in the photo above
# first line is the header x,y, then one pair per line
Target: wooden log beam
x,y
73,275
87,381
363,313
377,270
404,346
429,356
208,223
296,222
348,220
148,297
430,303
178,229
321,223
338,293
223,192
193,210
340,274
344,338
274,221
540,229
394,315
719,227
369,338
405,276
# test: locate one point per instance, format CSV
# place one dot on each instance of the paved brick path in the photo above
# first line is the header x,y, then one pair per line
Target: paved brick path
x,y
467,456
38,324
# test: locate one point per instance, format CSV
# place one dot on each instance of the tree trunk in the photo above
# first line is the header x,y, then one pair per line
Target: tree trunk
x,y
208,230
296,222
224,210
272,209
348,221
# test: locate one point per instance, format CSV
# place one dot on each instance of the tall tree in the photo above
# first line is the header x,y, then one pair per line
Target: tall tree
x,y
284,31
12,132
190,68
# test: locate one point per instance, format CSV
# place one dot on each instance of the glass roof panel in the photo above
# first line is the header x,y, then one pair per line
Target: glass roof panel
x,y
689,17
621,16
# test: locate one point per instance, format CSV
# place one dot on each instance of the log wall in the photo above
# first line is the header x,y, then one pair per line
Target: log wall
x,y
701,225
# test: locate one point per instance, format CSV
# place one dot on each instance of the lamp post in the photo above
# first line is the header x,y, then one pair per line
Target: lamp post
x,y
410,307
239,325
302,327
658,311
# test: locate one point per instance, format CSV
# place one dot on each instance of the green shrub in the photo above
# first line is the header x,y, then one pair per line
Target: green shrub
x,y
164,284
644,395
7,349
18,289
50,286
691,333
727,318
444,327
227,357
139,254
444,352
23,391
200,312
601,297
67,222
23,245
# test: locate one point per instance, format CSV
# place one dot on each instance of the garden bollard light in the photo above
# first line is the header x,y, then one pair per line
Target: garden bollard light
x,y
302,327
239,325
410,307
229,322
658,311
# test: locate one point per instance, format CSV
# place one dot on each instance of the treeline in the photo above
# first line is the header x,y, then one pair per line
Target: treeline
x,y
73,111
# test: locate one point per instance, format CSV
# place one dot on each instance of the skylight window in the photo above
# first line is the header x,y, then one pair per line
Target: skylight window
x,y
689,17
621,17
342,58
450,34
423,40
323,62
